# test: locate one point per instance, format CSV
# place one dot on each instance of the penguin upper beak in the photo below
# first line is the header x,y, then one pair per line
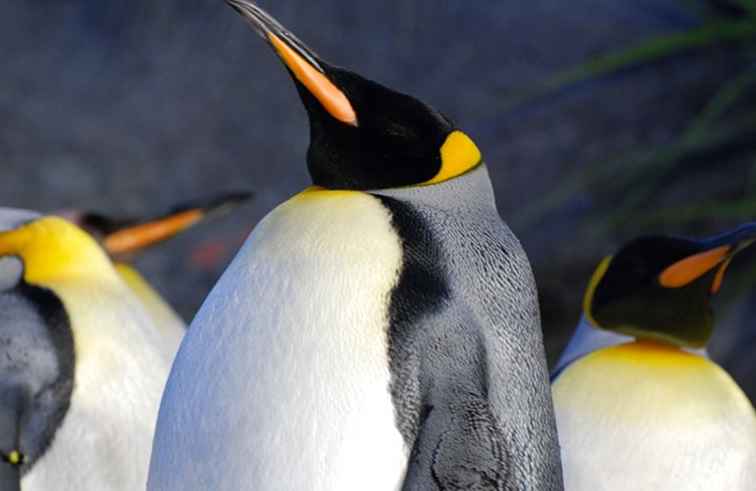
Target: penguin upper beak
x,y
718,252
302,62
139,235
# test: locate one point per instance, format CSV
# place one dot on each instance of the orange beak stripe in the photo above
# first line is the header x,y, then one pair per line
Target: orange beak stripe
x,y
331,98
719,278
691,268
143,235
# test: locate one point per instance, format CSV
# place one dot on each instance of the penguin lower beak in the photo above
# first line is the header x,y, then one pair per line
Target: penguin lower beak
x,y
718,253
302,62
144,233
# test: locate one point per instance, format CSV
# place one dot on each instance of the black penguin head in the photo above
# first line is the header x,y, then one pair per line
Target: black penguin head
x,y
660,287
363,135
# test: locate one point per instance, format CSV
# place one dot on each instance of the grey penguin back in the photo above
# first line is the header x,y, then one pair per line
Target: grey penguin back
x,y
469,376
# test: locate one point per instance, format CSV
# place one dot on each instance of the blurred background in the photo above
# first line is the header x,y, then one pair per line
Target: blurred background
x,y
599,119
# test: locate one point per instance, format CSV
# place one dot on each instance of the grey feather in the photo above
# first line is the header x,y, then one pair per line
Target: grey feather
x,y
472,391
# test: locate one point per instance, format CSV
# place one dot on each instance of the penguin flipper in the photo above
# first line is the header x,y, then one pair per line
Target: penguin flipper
x,y
458,447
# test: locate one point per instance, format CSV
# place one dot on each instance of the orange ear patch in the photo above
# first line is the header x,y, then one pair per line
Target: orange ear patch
x,y
693,267
331,98
143,235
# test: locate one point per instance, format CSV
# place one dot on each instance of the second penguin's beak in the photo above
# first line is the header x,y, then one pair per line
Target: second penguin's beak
x,y
134,236
304,65
717,252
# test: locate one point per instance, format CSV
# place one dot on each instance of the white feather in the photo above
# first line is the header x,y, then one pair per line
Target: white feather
x,y
638,419
104,441
282,382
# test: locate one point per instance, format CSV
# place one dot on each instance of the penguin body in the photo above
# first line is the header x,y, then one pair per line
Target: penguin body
x,y
305,380
639,405
369,360
92,421
470,362
166,320
647,416
377,331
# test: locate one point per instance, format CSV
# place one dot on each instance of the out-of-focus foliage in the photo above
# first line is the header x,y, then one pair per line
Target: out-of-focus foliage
x,y
725,127
700,182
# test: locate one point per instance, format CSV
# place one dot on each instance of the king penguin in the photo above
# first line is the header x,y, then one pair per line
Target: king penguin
x,y
639,404
82,366
378,331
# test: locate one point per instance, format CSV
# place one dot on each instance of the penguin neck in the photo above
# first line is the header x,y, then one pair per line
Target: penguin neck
x,y
588,339
471,191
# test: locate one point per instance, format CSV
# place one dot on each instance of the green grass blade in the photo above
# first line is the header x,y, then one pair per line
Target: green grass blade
x,y
710,34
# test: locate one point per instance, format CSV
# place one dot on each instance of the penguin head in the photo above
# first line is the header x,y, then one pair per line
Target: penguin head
x,y
123,237
363,135
659,288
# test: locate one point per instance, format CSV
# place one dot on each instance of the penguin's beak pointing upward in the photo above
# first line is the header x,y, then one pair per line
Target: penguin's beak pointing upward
x,y
717,253
303,64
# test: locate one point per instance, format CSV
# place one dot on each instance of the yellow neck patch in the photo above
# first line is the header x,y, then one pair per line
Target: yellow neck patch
x,y
591,290
52,249
459,154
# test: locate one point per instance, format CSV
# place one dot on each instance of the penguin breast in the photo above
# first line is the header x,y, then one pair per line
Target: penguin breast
x,y
282,381
643,416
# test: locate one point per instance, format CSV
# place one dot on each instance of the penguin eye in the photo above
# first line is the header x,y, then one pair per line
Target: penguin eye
x,y
14,458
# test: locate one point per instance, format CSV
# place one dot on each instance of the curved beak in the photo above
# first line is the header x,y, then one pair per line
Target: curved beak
x,y
305,66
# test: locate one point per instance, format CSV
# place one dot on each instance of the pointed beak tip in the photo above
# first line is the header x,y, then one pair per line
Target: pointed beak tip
x,y
255,20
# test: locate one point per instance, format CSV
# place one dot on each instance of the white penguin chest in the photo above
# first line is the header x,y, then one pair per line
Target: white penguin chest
x,y
104,440
289,356
641,418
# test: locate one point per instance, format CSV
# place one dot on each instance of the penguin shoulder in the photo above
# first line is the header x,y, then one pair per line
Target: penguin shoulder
x,y
330,231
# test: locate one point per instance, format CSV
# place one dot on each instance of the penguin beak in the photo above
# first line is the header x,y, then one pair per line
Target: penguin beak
x,y
302,62
718,253
135,236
